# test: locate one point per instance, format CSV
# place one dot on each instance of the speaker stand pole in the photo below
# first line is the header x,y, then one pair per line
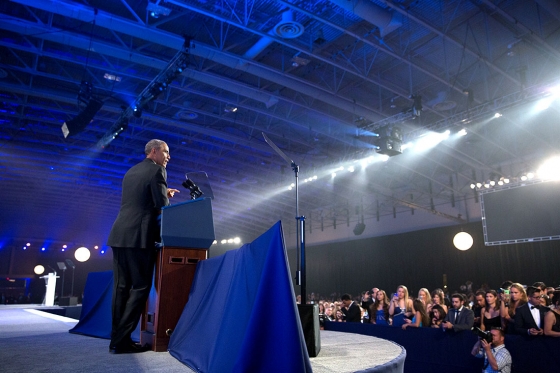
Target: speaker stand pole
x,y
300,225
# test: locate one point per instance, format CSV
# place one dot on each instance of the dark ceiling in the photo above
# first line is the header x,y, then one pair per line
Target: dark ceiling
x,y
318,77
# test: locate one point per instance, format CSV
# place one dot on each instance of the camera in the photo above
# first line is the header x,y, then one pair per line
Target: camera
x,y
487,336
504,291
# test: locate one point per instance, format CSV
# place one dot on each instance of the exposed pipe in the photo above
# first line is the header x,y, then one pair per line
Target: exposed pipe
x,y
287,28
552,6
387,21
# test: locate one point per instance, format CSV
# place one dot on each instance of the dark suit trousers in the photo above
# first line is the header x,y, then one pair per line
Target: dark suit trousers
x,y
133,270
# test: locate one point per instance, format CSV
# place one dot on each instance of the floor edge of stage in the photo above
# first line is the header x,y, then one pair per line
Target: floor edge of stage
x,y
349,352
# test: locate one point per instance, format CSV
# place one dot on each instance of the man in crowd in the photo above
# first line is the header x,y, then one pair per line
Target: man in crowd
x,y
529,318
350,309
133,238
459,318
496,357
480,303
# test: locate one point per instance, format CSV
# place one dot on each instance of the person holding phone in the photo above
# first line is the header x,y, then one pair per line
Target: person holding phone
x,y
400,306
529,318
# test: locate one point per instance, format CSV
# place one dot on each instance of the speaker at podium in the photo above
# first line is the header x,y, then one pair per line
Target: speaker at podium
x,y
187,232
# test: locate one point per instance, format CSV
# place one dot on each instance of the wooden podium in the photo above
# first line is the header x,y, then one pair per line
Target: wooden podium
x,y
187,232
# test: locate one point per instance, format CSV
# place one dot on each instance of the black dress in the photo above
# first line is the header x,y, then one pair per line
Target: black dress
x,y
494,322
556,327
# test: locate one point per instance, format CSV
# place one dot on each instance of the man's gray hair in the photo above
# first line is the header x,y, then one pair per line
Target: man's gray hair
x,y
153,144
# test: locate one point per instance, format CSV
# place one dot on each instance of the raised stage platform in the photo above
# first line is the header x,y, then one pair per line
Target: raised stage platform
x,y
32,341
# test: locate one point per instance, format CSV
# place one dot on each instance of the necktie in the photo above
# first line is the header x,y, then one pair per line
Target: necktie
x,y
533,307
456,315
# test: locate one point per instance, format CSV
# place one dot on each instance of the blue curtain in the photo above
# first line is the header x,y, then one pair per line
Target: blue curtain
x,y
241,315
95,318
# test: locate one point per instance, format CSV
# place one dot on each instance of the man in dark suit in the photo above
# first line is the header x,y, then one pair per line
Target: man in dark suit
x,y
459,318
350,309
529,318
132,238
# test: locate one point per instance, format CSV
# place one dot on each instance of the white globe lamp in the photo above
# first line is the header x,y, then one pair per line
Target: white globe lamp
x,y
39,269
82,254
463,241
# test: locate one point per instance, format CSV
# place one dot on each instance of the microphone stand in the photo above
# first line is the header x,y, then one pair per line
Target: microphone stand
x,y
300,226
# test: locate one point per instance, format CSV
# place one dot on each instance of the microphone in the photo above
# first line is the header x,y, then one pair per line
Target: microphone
x,y
195,191
52,269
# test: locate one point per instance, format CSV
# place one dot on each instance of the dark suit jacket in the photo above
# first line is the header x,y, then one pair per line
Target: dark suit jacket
x,y
524,319
465,319
353,314
144,193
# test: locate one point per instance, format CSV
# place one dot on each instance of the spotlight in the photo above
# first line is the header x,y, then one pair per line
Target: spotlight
x,y
137,112
157,10
359,228
85,117
473,186
497,115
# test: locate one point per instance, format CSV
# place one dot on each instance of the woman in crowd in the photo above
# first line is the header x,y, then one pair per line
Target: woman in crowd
x,y
437,298
339,316
490,315
552,317
379,310
421,318
400,306
515,299
437,315
424,296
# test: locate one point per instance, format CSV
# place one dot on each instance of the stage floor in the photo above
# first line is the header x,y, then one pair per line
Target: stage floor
x,y
36,341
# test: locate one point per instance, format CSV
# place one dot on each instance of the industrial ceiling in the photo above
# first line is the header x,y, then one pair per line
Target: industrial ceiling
x,y
319,78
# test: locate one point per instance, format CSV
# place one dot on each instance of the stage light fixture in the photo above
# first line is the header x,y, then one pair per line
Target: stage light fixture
x,y
390,144
80,122
155,10
359,228
137,112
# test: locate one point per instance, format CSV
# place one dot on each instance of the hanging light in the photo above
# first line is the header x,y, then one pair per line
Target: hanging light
x,y
82,254
463,241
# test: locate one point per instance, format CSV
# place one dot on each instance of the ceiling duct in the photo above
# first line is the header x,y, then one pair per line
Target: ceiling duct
x,y
287,28
552,6
441,103
231,86
386,20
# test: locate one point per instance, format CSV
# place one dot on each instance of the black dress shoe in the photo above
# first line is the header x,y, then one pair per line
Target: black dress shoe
x,y
129,348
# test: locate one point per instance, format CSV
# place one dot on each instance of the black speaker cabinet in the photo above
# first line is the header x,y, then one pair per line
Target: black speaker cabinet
x,y
68,301
309,316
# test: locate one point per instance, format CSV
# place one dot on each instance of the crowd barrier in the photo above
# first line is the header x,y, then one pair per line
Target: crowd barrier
x,y
433,350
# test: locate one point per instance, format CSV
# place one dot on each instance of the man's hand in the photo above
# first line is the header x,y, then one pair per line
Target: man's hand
x,y
534,331
447,325
171,192
486,346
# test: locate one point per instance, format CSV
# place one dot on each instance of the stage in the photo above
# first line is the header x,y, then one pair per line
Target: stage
x,y
35,341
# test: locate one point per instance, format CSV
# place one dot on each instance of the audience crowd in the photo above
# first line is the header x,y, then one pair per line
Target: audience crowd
x,y
513,308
